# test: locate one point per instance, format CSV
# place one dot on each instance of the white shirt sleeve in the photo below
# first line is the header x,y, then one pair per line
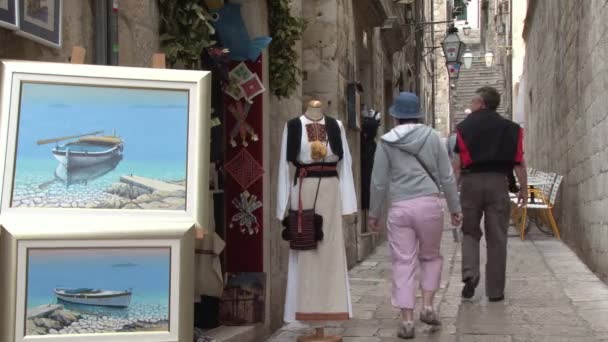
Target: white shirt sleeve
x,y
347,184
283,184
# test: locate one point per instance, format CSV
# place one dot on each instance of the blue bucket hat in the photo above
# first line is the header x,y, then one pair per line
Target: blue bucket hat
x,y
406,106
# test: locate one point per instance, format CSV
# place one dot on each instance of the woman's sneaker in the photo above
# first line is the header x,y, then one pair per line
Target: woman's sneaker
x,y
429,317
406,331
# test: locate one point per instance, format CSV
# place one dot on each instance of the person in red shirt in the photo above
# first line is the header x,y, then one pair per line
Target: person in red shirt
x,y
489,148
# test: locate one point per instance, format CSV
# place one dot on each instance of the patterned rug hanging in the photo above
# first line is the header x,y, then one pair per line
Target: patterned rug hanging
x,y
244,169
246,220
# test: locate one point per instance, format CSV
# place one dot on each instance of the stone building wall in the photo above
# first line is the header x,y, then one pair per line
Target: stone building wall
x,y
426,67
518,51
442,80
566,117
277,250
138,32
499,43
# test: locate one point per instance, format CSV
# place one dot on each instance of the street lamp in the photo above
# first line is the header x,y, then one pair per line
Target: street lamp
x,y
453,69
452,49
466,29
489,59
452,45
468,59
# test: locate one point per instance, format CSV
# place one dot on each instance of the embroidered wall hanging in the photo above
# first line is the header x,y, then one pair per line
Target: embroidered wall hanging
x,y
241,128
246,220
244,169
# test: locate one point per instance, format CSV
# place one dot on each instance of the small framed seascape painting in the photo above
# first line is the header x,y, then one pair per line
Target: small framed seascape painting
x,y
96,290
9,14
83,138
40,20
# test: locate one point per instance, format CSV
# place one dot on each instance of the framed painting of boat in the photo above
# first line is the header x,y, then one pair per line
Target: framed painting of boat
x,y
134,289
40,21
83,137
9,14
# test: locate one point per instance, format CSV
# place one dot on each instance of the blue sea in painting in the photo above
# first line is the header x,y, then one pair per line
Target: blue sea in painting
x,y
146,271
151,125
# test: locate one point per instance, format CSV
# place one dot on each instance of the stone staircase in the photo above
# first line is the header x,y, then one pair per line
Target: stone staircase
x,y
469,81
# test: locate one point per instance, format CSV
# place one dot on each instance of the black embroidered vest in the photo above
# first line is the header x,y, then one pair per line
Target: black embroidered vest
x,y
294,138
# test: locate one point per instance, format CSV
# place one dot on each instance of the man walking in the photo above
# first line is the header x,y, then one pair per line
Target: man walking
x,y
489,147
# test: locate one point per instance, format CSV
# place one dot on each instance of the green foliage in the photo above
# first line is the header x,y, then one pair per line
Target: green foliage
x,y
285,30
184,31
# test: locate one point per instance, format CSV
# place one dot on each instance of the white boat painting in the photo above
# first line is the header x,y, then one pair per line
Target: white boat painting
x,y
86,149
97,290
77,145
120,299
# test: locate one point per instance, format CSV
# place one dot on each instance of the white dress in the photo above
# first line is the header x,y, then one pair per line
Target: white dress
x,y
317,285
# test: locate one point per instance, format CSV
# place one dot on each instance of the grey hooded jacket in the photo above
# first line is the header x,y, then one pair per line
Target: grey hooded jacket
x,y
401,174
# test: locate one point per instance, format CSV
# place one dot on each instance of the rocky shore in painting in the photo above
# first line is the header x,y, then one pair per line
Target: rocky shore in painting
x,y
117,196
63,322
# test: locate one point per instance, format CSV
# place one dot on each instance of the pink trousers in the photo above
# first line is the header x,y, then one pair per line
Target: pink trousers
x,y
414,233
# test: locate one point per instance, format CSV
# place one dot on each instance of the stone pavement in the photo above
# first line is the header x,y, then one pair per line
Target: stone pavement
x,y
551,296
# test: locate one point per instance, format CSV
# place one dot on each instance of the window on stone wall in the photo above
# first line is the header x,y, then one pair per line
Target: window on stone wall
x,y
463,13
460,9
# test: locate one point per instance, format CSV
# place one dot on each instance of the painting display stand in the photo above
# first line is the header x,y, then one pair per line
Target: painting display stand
x,y
319,336
96,242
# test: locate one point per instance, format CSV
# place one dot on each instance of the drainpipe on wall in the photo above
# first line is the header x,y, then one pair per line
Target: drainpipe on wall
x,y
101,31
113,31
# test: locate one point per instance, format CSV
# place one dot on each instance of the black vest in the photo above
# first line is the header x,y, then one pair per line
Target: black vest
x,y
294,138
491,141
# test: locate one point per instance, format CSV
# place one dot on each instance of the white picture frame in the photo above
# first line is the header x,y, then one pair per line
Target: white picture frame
x,y
9,14
16,74
19,238
47,32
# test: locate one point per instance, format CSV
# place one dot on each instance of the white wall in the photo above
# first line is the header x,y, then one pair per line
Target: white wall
x,y
518,15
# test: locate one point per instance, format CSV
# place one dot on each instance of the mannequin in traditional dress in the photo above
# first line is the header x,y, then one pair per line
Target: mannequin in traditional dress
x,y
317,285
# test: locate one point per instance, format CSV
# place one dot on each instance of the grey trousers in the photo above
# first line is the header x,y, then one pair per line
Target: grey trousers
x,y
487,195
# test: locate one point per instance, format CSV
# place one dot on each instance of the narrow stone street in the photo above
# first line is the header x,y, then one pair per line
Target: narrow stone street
x,y
551,296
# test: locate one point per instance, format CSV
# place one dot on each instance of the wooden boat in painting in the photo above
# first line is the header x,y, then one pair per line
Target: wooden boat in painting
x,y
84,175
86,150
94,297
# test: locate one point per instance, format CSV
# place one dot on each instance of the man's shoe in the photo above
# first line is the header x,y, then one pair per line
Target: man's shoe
x,y
429,317
496,299
468,291
406,331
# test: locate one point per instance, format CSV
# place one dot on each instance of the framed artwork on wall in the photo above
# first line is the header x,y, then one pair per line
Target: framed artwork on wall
x,y
9,14
136,288
84,139
40,20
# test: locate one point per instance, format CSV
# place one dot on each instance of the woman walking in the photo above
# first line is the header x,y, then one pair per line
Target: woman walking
x,y
412,165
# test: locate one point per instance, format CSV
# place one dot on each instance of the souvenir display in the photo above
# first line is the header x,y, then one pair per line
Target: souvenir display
x,y
102,287
8,14
234,36
317,284
40,20
243,301
83,137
